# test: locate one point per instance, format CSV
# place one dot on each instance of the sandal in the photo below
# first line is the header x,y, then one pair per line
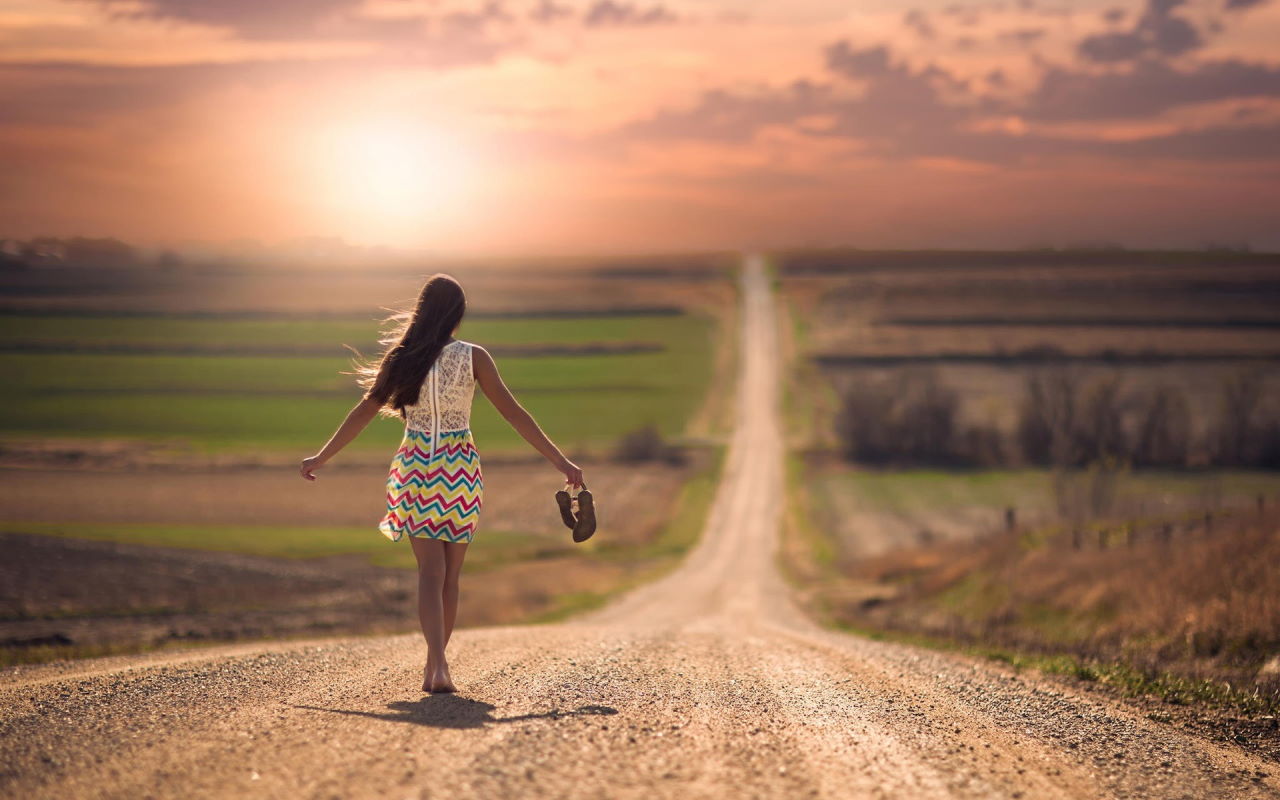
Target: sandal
x,y
565,502
586,516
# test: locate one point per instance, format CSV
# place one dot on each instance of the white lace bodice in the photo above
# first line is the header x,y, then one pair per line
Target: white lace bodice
x,y
444,403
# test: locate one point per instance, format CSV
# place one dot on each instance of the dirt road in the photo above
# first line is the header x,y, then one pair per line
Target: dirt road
x,y
707,683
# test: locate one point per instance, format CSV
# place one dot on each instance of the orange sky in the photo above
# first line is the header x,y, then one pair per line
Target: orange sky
x,y
560,126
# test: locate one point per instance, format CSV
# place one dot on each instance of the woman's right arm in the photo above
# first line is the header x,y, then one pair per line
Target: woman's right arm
x,y
486,372
357,419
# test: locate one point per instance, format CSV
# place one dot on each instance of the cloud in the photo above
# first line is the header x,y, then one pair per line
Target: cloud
x,y
897,103
74,94
963,14
609,12
1240,5
294,20
549,11
286,19
927,112
1149,88
475,22
1156,32
77,94
1024,36
1210,144
897,97
867,62
918,21
725,115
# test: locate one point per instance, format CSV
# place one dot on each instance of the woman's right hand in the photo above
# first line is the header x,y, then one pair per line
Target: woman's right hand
x,y
572,473
309,467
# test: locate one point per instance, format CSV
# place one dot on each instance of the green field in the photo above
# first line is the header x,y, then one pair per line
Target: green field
x,y
239,402
907,491
78,329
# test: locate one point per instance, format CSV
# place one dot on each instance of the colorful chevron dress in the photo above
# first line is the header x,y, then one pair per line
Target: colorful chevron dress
x,y
435,488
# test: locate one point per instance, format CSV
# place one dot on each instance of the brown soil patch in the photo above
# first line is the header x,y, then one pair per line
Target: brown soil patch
x,y
519,496
73,597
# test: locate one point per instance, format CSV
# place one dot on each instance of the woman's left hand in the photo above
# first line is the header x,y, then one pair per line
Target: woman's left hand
x,y
309,467
572,474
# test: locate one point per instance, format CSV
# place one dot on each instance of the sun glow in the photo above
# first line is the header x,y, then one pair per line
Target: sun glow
x,y
394,181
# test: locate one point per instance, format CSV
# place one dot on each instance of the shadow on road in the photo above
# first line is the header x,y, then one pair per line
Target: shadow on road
x,y
453,711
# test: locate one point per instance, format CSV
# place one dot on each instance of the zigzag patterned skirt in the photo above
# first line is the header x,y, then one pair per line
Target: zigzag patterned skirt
x,y
434,497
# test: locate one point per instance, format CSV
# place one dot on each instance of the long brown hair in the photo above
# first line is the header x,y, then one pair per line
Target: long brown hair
x,y
413,344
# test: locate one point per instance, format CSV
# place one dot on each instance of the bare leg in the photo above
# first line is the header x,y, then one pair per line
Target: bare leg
x,y
454,553
431,572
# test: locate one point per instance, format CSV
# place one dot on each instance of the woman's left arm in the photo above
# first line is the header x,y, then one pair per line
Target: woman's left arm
x,y
357,419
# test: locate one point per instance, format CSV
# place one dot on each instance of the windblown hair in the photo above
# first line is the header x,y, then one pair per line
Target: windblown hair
x,y
413,344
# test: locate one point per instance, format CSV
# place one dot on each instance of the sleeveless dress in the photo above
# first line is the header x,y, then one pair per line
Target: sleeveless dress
x,y
435,488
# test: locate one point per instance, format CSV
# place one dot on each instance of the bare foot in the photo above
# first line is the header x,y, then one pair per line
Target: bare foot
x,y
429,671
441,682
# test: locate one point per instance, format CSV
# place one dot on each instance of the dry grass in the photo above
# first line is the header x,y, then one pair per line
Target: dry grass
x,y
1203,605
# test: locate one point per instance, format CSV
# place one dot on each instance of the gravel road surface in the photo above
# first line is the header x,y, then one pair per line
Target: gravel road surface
x,y
708,683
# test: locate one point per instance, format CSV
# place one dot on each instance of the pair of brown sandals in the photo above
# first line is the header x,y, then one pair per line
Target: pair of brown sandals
x,y
577,512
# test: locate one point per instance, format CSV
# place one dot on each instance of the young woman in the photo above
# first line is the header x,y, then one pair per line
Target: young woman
x,y
434,490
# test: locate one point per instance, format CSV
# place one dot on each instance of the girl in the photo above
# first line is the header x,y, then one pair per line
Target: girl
x,y
434,491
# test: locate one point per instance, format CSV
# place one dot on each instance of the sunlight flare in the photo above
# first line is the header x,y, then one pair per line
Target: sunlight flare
x,y
394,178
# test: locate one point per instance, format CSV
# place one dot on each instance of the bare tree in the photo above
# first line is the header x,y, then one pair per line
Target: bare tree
x,y
926,414
1241,396
910,421
863,423
1048,417
1098,433
1163,436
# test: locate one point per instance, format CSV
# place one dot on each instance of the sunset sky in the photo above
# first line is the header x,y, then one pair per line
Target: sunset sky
x,y
609,125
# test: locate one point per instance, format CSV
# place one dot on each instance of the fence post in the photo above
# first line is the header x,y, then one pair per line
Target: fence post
x,y
1208,523
1166,533
1102,538
1075,539
1010,519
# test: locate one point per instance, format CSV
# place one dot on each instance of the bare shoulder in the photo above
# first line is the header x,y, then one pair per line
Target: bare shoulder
x,y
480,359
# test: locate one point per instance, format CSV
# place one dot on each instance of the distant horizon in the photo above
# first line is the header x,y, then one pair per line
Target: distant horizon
x,y
246,247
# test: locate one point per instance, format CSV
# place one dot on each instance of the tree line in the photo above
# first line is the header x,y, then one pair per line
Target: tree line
x,y
1065,419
